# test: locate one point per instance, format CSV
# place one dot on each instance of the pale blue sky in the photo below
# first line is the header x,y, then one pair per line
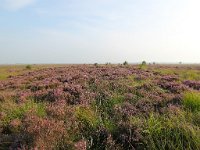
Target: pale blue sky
x,y
88,31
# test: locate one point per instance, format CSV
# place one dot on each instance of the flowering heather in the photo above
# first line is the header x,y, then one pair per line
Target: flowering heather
x,y
101,107
193,84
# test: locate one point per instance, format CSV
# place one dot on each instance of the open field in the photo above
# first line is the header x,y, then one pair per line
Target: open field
x,y
112,107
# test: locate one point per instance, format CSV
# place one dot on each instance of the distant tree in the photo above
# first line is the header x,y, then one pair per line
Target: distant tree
x,y
125,63
154,63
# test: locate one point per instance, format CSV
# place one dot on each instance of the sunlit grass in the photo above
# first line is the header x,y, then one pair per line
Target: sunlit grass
x,y
162,132
169,131
190,75
87,116
191,101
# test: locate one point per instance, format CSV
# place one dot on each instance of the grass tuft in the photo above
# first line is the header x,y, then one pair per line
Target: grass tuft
x,y
191,101
87,116
169,133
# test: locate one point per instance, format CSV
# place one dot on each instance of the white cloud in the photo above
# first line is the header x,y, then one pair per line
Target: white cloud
x,y
17,4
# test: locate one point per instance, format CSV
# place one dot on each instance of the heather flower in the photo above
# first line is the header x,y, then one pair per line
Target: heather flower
x,y
193,84
126,109
2,115
15,124
81,145
57,109
128,96
2,98
45,132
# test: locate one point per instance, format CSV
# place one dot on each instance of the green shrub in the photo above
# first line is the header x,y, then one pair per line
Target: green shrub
x,y
96,64
125,63
143,65
191,101
28,67
144,62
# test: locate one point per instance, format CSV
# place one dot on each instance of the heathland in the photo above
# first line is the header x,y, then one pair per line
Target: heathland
x,y
112,107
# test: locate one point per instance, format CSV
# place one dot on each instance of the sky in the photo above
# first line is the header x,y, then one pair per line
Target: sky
x,y
99,31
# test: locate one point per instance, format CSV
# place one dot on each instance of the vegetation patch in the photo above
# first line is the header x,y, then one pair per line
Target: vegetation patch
x,y
15,111
100,107
191,101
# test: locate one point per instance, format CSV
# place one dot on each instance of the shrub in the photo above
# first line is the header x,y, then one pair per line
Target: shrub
x,y
143,65
45,133
128,136
144,62
57,109
96,64
125,63
15,125
28,67
191,101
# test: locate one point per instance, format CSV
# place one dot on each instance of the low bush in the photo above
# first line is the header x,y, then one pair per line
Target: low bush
x,y
28,67
125,63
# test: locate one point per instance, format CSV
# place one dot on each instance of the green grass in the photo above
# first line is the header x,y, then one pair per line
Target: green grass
x,y
132,81
87,116
171,133
191,101
190,75
143,66
184,74
105,107
15,111
10,70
